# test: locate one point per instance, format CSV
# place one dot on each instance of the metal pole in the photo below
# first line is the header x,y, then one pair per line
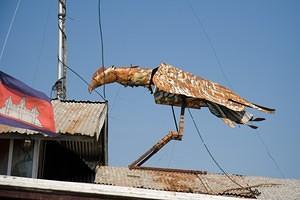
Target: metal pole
x,y
62,51
172,135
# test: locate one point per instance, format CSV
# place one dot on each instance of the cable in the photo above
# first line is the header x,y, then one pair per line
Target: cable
x,y
114,99
174,117
270,155
226,79
210,43
61,16
101,42
81,78
9,29
213,158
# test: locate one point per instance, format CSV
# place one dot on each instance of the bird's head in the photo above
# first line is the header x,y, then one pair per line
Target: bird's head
x,y
102,76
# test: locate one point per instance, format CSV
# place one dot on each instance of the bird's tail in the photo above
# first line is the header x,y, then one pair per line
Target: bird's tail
x,y
255,106
262,108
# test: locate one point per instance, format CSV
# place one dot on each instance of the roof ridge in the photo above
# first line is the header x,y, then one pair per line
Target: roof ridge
x,y
78,101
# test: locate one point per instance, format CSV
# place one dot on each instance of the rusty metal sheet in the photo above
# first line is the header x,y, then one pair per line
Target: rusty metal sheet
x,y
84,118
176,87
78,118
184,181
166,98
148,179
176,81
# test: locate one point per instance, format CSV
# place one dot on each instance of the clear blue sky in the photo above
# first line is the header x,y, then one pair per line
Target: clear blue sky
x,y
257,43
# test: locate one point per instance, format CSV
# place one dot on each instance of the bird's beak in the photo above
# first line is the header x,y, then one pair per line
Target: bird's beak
x,y
92,86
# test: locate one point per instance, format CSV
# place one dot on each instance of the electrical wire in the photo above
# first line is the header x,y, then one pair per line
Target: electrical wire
x,y
82,79
9,29
227,80
174,117
101,42
62,18
116,96
270,155
210,44
213,158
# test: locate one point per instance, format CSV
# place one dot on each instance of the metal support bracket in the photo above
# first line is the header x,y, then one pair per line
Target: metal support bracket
x,y
172,135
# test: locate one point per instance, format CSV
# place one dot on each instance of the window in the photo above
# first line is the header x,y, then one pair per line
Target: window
x,y
22,158
55,160
19,157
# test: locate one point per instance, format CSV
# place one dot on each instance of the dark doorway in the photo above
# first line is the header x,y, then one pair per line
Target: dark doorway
x,y
64,165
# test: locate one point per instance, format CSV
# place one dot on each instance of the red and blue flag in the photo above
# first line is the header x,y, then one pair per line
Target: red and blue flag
x,y
24,107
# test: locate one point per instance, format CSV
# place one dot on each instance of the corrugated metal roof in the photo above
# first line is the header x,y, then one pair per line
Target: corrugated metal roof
x,y
72,118
81,118
20,187
198,182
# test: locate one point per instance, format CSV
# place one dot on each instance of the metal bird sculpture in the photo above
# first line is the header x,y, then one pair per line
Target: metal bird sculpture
x,y
178,88
174,85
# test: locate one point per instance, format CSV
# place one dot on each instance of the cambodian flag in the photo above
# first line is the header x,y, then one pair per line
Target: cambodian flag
x,y
24,107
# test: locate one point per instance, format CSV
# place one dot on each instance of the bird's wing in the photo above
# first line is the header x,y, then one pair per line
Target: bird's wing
x,y
167,98
173,80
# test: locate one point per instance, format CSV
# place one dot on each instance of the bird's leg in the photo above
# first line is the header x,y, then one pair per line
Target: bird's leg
x,y
172,135
160,144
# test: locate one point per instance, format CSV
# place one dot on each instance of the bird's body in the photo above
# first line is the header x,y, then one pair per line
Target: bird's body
x,y
173,86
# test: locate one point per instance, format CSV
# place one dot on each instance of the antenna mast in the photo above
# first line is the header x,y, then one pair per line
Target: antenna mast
x,y
62,52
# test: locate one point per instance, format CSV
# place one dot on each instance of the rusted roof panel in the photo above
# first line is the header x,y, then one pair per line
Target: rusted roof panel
x,y
84,118
148,179
80,118
195,182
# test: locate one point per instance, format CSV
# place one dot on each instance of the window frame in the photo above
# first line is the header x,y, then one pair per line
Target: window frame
x,y
35,159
